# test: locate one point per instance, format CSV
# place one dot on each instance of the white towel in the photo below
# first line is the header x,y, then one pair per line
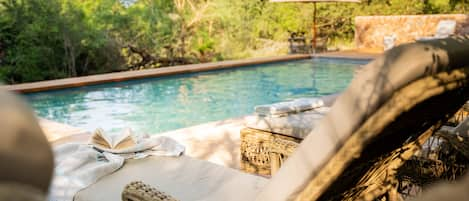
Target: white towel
x,y
282,108
154,146
77,166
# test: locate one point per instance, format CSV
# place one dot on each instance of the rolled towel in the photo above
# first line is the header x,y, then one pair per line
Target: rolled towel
x,y
294,106
297,125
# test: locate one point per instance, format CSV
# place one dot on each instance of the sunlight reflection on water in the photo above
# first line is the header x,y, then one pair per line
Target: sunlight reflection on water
x,y
161,104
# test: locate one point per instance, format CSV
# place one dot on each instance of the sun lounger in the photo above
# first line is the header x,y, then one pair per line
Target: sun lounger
x,y
184,178
397,98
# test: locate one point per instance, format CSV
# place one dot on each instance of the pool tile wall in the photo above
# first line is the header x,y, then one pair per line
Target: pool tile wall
x,y
370,30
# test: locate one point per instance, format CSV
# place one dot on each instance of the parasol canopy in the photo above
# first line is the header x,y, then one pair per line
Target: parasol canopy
x,y
314,12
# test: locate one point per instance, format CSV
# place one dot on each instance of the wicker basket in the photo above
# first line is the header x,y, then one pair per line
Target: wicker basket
x,y
255,150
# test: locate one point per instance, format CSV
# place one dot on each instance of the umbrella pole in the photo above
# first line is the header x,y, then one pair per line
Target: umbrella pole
x,y
314,28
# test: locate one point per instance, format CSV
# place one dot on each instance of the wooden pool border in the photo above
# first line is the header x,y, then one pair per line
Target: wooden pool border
x,y
158,72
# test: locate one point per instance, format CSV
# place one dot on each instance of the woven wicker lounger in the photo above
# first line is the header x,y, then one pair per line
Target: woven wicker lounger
x,y
389,109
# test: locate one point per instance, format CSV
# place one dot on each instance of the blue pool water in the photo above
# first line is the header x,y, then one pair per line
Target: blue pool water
x,y
161,104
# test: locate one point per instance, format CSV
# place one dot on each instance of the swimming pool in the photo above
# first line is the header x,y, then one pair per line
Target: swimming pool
x,y
155,105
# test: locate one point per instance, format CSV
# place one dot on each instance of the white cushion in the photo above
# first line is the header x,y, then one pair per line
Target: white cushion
x,y
183,177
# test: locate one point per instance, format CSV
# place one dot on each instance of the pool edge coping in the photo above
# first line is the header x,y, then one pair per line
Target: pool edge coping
x,y
47,85
139,74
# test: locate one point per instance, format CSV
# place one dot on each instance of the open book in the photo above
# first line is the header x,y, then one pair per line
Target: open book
x,y
104,141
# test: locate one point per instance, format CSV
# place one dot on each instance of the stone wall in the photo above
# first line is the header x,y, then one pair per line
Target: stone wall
x,y
370,30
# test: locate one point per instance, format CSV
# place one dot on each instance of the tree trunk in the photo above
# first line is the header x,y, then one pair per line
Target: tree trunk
x,y
69,56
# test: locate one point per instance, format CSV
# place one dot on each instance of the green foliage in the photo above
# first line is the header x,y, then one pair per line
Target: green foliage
x,y
50,39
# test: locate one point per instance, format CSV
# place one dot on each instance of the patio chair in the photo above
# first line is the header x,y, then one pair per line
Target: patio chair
x,y
444,29
321,44
391,107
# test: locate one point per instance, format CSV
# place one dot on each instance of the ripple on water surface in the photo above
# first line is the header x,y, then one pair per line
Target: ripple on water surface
x,y
161,104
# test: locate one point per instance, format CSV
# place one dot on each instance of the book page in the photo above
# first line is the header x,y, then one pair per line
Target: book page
x,y
109,142
125,136
99,139
125,143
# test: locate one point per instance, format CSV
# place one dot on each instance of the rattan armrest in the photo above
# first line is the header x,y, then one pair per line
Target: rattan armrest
x,y
280,150
139,191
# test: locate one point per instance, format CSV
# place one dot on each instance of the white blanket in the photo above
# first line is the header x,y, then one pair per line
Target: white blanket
x,y
80,165
294,106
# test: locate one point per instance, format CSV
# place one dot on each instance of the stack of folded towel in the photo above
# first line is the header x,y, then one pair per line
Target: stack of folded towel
x,y
295,118
285,108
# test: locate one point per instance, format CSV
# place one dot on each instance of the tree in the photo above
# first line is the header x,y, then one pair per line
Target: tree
x,y
50,39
